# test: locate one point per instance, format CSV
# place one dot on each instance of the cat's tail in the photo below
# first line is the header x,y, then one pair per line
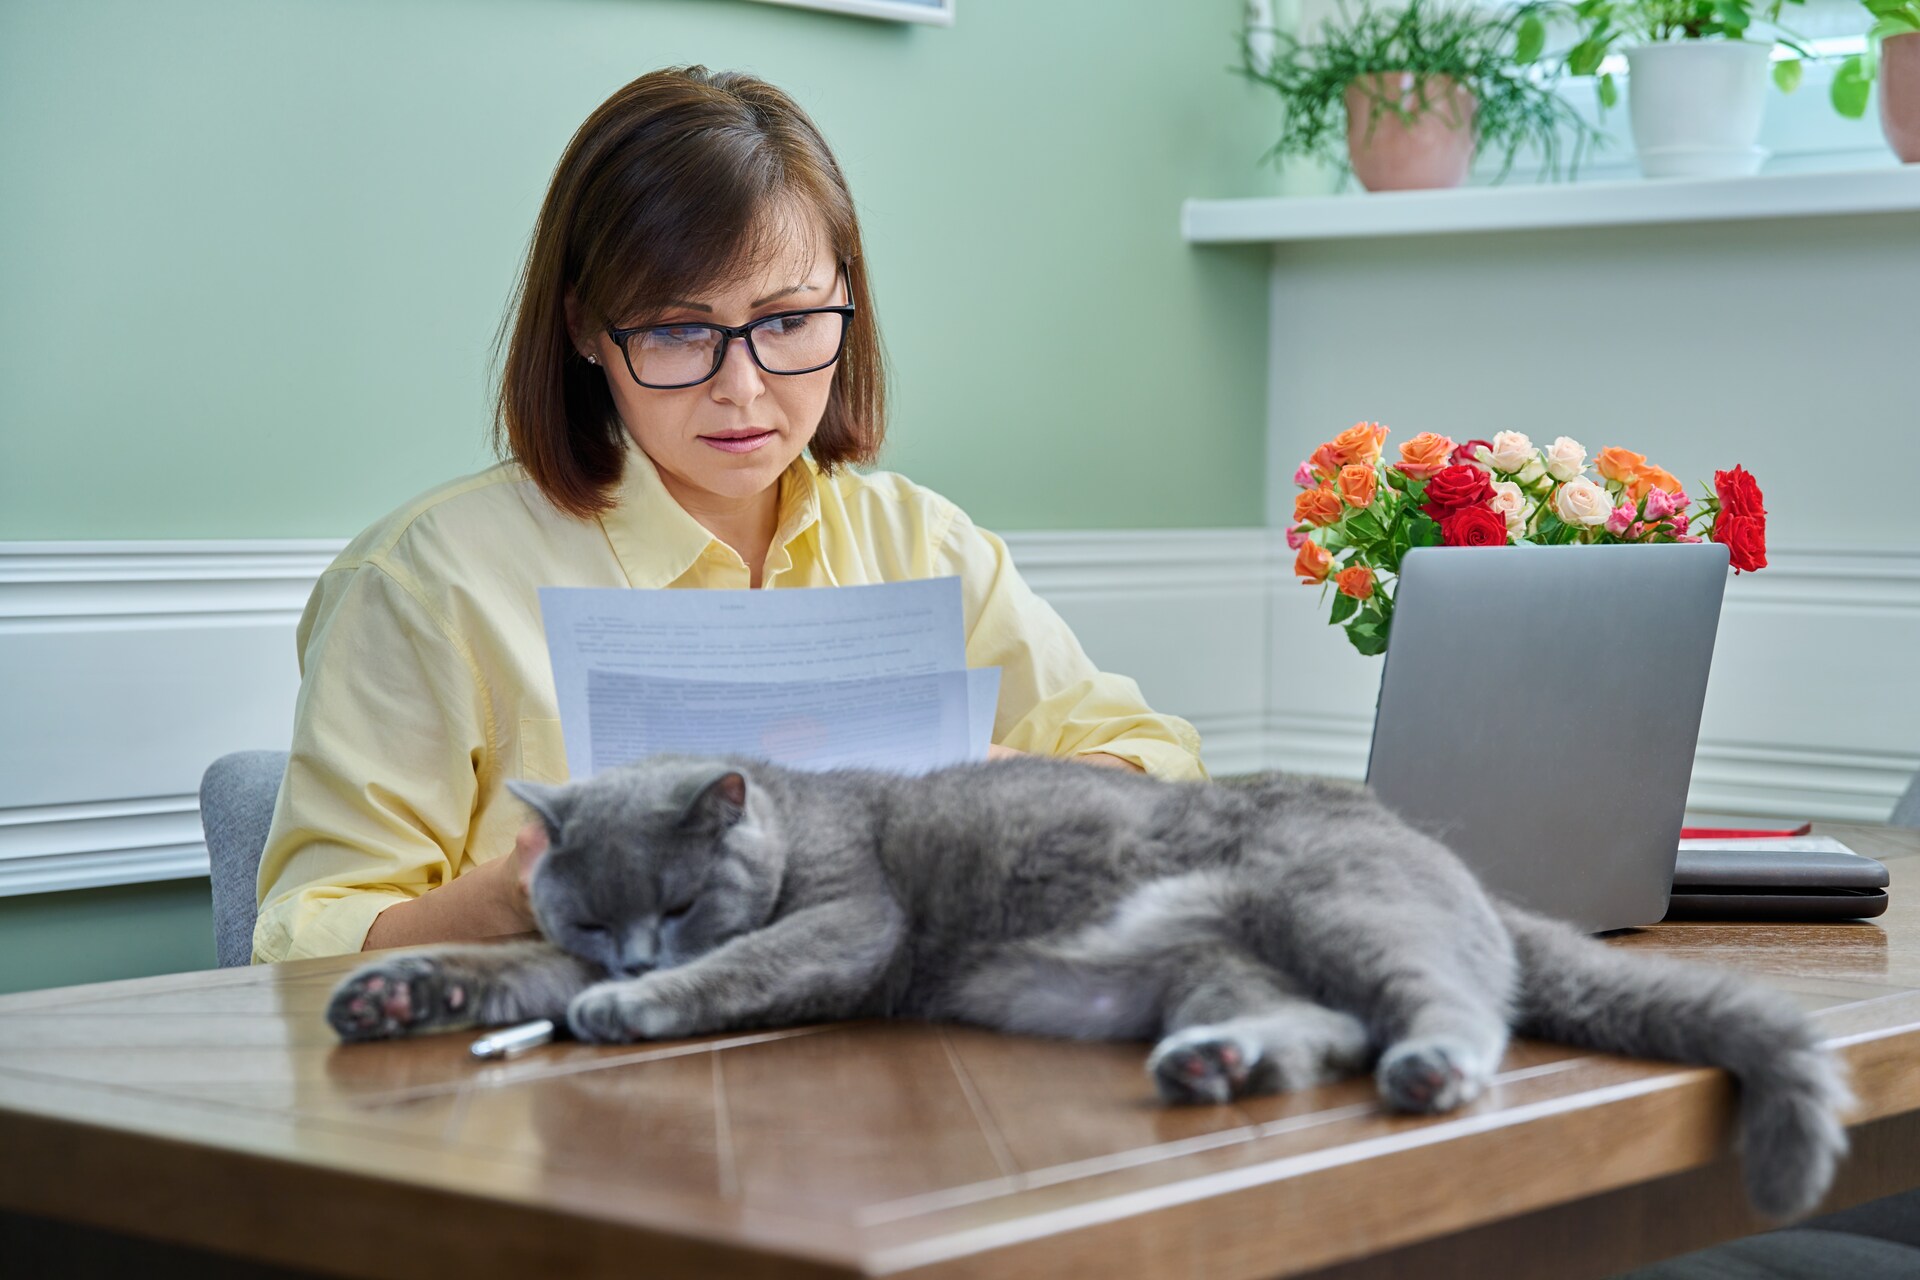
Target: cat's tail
x,y
1579,991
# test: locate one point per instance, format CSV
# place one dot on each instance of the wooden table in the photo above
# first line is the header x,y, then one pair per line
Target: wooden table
x,y
216,1110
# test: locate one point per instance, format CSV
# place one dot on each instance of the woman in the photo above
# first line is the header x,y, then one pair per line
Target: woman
x,y
645,450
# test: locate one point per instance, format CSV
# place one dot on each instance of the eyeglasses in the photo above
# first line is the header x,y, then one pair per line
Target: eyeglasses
x,y
667,356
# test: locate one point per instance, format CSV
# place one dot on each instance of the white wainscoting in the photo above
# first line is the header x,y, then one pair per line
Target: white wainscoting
x,y
126,667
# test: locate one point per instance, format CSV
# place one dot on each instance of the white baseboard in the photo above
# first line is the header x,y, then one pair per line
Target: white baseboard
x,y
125,668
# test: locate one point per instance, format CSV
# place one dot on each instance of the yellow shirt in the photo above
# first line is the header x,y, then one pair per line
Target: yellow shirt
x,y
425,682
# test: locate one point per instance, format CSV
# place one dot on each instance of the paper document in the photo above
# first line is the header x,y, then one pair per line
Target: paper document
x,y
908,724
821,674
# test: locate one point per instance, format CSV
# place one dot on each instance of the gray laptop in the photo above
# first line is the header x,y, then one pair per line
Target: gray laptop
x,y
1538,712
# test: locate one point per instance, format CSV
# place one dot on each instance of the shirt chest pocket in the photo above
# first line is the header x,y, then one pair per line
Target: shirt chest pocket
x,y
543,751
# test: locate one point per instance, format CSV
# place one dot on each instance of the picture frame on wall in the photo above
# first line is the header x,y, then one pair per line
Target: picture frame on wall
x,y
935,12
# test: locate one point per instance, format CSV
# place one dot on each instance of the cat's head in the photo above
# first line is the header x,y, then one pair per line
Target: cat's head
x,y
653,864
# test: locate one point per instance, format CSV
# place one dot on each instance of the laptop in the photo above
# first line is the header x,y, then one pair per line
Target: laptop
x,y
1538,713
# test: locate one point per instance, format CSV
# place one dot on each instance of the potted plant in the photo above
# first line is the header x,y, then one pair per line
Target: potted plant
x,y
1696,84
1893,57
1402,98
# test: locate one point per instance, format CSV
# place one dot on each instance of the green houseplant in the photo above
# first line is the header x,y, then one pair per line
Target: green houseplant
x,y
1696,77
1404,97
1892,57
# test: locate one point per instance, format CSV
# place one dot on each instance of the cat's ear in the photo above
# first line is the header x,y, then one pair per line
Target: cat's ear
x,y
717,805
551,803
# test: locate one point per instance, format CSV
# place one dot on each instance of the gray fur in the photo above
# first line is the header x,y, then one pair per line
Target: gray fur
x,y
1270,936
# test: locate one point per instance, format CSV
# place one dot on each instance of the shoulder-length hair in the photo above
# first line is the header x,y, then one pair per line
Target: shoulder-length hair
x,y
681,183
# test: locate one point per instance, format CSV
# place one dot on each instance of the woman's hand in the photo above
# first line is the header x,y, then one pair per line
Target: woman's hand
x,y
528,848
997,752
489,901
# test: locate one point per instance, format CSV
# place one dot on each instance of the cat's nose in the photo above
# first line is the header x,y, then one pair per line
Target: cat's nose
x,y
634,968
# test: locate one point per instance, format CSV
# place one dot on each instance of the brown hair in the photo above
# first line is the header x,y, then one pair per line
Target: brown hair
x,y
683,182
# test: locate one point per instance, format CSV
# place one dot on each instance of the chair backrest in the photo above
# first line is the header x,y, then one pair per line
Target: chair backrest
x,y
236,808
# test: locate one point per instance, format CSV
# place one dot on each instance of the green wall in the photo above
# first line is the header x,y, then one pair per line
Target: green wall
x,y
95,935
257,249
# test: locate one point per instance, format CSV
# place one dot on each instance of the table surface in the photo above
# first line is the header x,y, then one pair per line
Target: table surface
x,y
216,1109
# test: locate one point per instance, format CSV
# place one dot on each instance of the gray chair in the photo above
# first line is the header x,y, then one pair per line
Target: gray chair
x,y
236,808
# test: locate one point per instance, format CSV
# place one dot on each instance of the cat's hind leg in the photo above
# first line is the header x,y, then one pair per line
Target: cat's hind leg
x,y
450,988
1234,1031
1165,963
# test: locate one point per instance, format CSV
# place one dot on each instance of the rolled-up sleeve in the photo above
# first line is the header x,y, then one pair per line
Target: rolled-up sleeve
x,y
389,728
1053,700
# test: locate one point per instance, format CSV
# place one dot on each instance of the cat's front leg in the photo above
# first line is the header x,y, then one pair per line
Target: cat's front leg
x,y
650,1007
451,988
819,963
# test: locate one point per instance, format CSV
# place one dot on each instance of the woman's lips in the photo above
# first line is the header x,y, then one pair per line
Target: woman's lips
x,y
739,444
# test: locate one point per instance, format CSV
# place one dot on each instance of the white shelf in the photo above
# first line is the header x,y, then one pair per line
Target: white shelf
x,y
1280,219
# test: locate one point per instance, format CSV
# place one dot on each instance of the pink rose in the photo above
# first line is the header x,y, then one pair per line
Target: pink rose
x,y
1304,477
1661,504
1295,537
1620,519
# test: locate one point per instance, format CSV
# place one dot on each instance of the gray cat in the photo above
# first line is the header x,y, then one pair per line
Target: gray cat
x,y
1269,937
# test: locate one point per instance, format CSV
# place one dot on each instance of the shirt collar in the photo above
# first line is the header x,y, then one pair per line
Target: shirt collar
x,y
657,541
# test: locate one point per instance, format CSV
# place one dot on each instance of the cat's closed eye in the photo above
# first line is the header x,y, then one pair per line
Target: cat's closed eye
x,y
678,912
592,930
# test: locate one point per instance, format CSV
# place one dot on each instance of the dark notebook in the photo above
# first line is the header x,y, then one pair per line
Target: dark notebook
x,y
1791,878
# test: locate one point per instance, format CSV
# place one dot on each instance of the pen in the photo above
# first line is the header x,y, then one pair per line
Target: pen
x,y
511,1040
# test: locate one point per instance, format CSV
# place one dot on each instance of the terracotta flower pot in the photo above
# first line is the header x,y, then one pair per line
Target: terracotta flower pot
x,y
1900,94
1391,155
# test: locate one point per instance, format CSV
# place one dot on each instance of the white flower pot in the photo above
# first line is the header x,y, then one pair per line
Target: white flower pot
x,y
1696,107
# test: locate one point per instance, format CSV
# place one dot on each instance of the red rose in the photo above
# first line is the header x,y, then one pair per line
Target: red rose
x,y
1745,538
1474,527
1456,487
1470,452
1739,494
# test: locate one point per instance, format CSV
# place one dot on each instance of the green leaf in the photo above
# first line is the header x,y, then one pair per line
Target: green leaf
x,y
1851,87
1609,91
1530,39
1899,25
1361,526
1343,608
1787,74
1733,15
1584,58
1370,646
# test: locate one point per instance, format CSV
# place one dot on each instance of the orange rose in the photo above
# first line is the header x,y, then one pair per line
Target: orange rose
x,y
1358,485
1426,455
1325,463
1355,581
1619,464
1649,478
1316,507
1359,443
1313,562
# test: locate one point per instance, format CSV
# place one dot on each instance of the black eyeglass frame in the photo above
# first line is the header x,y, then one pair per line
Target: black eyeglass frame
x,y
745,331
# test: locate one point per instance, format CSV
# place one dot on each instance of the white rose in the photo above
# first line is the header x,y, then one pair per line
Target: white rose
x,y
1508,500
1566,458
1511,451
1581,501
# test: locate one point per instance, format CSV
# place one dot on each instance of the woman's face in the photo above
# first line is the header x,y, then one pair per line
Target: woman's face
x,y
729,438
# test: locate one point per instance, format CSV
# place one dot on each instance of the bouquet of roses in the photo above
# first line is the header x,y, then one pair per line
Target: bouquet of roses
x,y
1357,514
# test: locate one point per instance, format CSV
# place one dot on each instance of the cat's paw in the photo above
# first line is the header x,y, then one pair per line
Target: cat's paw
x,y
1426,1076
1208,1065
396,997
624,1011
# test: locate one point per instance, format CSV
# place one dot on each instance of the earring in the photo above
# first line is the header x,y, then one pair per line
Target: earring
x,y
591,358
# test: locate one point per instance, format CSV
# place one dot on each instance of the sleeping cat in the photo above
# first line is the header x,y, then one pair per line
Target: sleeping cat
x,y
1268,937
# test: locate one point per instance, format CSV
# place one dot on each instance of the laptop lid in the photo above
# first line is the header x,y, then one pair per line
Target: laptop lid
x,y
1538,712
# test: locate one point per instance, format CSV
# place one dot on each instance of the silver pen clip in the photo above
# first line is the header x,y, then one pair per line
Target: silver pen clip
x,y
508,1041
